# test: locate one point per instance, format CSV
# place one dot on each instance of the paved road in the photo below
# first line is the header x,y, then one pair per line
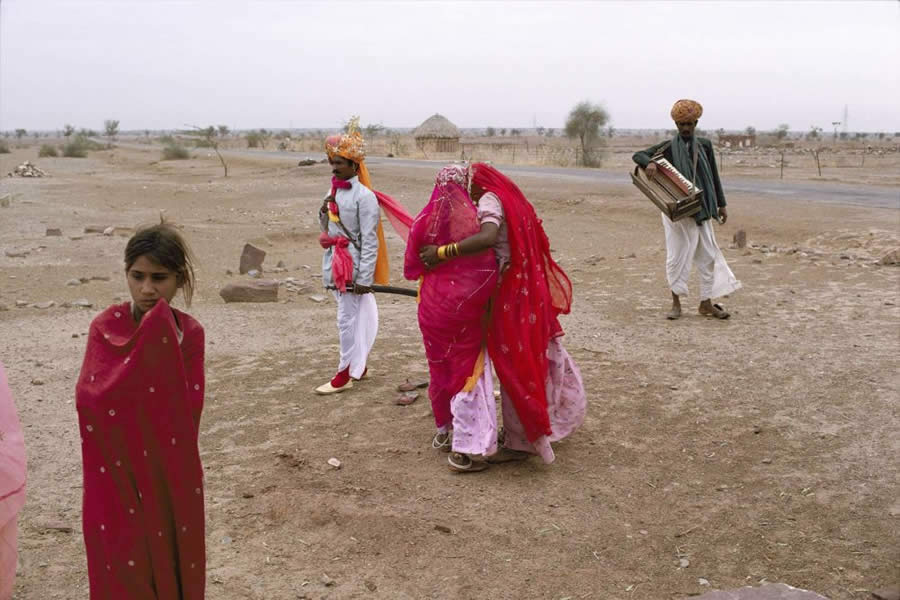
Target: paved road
x,y
839,193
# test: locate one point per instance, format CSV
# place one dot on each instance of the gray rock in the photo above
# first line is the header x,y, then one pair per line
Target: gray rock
x,y
95,228
16,253
327,581
254,273
891,258
769,591
100,278
251,258
43,305
73,282
53,232
281,265
263,290
21,303
317,298
82,303
109,230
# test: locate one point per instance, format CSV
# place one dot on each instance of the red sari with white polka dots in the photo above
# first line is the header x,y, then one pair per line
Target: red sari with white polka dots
x,y
139,399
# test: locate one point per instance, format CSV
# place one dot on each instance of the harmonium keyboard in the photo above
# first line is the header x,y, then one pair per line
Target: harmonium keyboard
x,y
675,195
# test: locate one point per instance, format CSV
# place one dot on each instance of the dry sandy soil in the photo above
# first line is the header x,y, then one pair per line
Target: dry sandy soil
x,y
763,448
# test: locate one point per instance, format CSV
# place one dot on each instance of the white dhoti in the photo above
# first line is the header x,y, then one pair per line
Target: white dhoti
x,y
688,244
357,321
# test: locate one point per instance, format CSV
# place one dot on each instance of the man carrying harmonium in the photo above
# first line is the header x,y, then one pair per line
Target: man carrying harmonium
x,y
691,240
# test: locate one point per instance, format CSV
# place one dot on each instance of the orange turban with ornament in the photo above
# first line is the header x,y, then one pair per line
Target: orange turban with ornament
x,y
686,111
349,145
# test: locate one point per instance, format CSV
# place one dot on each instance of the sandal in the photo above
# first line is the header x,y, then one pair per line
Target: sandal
x,y
442,441
718,311
463,463
409,386
505,455
406,398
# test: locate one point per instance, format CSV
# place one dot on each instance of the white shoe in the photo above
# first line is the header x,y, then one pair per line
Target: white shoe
x,y
327,388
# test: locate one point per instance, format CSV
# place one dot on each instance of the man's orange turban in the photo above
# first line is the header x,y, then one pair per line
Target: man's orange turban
x,y
686,111
349,145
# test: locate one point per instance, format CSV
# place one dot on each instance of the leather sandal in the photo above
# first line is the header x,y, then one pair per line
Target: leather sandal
x,y
463,463
442,441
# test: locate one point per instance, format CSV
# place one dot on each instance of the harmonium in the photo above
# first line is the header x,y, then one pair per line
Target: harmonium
x,y
675,195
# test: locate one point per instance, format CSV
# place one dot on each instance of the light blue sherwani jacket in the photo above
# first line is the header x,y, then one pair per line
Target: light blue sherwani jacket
x,y
359,213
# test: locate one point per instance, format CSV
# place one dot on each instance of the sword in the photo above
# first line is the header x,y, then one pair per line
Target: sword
x,y
390,289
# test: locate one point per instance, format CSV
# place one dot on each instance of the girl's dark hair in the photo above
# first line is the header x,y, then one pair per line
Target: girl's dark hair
x,y
164,245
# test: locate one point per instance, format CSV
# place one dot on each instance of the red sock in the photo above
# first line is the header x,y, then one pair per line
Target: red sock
x,y
341,379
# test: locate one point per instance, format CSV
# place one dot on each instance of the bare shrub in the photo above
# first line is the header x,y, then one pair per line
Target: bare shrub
x,y
47,150
175,151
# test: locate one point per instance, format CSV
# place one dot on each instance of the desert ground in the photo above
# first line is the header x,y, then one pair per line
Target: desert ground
x,y
714,455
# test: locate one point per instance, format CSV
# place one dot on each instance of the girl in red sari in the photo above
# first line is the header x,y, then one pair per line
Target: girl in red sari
x,y
542,391
139,399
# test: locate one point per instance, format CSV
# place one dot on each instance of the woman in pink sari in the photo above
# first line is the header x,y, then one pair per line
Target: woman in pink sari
x,y
543,397
12,486
139,399
453,302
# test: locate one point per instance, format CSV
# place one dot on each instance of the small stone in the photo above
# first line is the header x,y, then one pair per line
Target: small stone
x,y
73,282
229,272
767,461
95,229
37,382
21,303
327,581
251,258
757,261
16,253
75,238
370,585
684,563
100,277
281,264
109,231
262,290
4,200
53,232
44,305
703,581
891,258
740,239
82,303
443,529
334,463
74,335
254,273
247,495
226,540
757,429
317,298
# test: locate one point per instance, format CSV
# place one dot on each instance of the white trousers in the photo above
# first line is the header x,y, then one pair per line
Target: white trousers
x,y
357,322
688,244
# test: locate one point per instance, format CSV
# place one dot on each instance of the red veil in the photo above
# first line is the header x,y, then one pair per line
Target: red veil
x,y
533,291
454,296
139,398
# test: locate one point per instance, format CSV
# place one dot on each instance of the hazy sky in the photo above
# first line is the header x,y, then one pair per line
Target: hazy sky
x,y
160,65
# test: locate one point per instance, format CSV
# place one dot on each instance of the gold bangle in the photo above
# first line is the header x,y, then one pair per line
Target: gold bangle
x,y
442,253
455,249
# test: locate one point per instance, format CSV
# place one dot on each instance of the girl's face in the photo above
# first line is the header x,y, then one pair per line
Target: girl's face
x,y
149,281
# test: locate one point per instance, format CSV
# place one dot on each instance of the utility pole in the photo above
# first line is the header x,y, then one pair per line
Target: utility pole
x,y
835,125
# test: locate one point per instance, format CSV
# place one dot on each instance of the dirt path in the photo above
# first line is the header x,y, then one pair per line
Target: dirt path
x,y
761,448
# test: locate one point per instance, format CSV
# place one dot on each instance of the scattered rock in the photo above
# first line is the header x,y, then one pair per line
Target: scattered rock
x,y
254,273
317,298
109,230
767,461
740,239
16,253
327,581
370,585
21,303
251,258
82,303
334,463
53,232
769,591
51,526
229,272
684,563
443,529
281,265
757,261
703,581
100,278
43,305
632,255
26,169
95,229
890,593
307,162
37,382
891,258
73,282
263,290
75,238
5,200
226,540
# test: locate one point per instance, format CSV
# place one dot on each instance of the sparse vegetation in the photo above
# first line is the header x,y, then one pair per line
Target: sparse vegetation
x,y
584,123
20,133
68,130
781,131
175,151
77,147
47,150
209,141
490,132
4,147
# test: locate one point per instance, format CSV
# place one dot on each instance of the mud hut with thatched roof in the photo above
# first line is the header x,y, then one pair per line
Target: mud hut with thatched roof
x,y
437,134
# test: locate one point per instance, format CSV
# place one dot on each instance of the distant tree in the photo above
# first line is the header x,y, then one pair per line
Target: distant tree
x,y
540,130
503,131
881,135
20,133
814,132
550,132
751,130
781,131
515,132
209,138
490,132
373,129
584,123
223,130
68,130
610,131
111,128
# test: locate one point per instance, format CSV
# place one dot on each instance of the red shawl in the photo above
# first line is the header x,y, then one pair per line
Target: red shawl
x,y
533,291
453,297
139,398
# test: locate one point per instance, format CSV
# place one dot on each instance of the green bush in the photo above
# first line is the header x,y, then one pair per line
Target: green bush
x,y
175,151
4,147
166,139
77,148
47,150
